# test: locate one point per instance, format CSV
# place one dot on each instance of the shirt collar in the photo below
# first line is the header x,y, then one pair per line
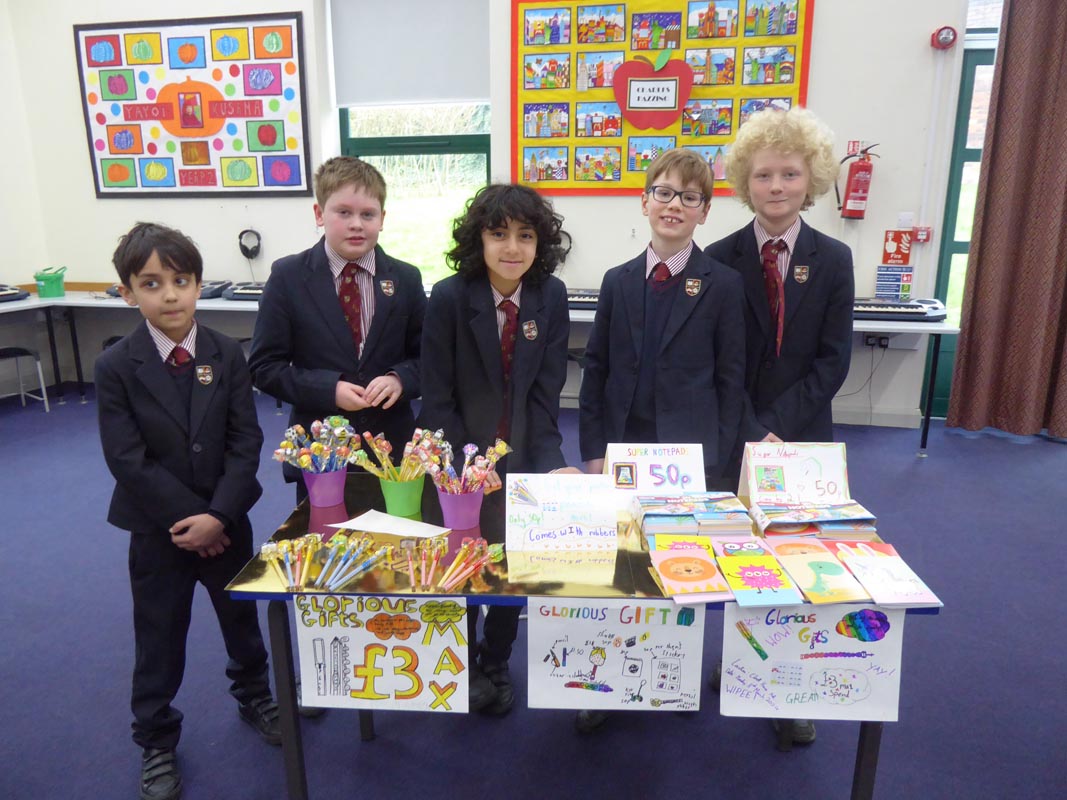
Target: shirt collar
x,y
498,298
675,263
338,262
789,237
164,345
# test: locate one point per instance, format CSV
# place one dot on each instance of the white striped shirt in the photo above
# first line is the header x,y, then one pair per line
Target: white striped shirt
x,y
365,279
164,345
789,238
498,298
675,263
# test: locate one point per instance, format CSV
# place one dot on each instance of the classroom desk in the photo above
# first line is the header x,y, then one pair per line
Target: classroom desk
x,y
934,329
100,300
631,579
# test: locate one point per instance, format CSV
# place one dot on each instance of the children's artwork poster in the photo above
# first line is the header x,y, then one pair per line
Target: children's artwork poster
x,y
812,662
655,468
397,653
560,512
196,107
645,76
624,655
784,473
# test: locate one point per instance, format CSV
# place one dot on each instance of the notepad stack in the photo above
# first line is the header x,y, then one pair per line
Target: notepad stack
x,y
697,514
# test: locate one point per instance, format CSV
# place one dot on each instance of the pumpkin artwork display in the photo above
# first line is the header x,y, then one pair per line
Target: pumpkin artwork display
x,y
238,171
156,171
118,173
142,51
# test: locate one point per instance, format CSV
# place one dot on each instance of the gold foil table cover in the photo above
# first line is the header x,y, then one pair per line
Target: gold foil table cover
x,y
619,573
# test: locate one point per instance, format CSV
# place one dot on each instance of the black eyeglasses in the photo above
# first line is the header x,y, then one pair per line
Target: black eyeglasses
x,y
664,194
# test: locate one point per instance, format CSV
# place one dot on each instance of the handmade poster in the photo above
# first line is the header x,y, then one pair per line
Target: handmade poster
x,y
655,469
812,662
630,655
196,107
560,512
644,77
780,473
397,653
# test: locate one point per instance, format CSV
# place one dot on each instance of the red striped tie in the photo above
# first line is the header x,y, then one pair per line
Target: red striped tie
x,y
352,303
772,282
508,335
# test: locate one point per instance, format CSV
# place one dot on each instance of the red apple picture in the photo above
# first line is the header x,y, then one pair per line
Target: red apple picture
x,y
267,135
653,95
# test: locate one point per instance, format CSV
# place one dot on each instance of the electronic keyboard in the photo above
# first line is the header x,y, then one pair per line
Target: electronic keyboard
x,y
243,291
582,299
884,309
12,293
212,289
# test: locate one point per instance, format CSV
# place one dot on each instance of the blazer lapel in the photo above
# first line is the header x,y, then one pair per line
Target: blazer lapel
x,y
154,377
804,255
530,341
632,282
484,329
384,301
320,285
689,294
208,374
750,264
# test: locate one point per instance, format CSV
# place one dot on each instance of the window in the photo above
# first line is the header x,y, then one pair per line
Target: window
x,y
434,157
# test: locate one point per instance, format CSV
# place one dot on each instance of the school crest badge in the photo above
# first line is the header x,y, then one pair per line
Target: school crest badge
x,y
204,375
529,330
800,274
692,286
388,289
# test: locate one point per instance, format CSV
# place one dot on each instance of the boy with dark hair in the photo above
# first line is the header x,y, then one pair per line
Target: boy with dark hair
x,y
339,326
180,435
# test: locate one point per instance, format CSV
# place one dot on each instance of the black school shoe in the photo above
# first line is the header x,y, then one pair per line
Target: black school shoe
x,y
504,695
482,692
160,778
262,714
590,720
803,730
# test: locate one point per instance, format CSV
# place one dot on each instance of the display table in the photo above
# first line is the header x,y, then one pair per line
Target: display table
x,y
631,579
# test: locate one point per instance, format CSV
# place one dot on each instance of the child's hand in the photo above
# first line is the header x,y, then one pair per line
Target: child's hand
x,y
202,533
385,388
349,396
567,471
770,437
594,466
492,481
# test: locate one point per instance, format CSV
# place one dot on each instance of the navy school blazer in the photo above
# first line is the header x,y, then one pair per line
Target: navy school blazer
x,y
463,378
699,369
302,345
171,461
790,394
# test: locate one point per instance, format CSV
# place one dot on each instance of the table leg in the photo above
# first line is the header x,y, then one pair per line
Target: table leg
x,y
366,725
866,760
77,353
930,395
56,378
281,648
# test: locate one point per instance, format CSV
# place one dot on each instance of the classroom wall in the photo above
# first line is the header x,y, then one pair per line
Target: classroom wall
x,y
873,76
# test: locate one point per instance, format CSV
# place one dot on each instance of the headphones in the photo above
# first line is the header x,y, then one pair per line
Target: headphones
x,y
248,240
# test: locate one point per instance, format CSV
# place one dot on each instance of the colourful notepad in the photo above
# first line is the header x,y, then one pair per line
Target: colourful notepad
x,y
689,572
891,582
823,579
759,581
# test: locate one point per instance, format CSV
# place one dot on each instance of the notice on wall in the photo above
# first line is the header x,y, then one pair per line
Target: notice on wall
x,y
396,653
812,662
628,655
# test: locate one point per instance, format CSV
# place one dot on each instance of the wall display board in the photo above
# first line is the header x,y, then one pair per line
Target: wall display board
x,y
196,107
812,662
599,90
398,653
631,655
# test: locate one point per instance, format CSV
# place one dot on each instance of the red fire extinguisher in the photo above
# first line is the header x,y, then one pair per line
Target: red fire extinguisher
x,y
857,184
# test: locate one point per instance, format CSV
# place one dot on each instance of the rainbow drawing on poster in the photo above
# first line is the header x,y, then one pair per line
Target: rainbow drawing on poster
x,y
196,107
